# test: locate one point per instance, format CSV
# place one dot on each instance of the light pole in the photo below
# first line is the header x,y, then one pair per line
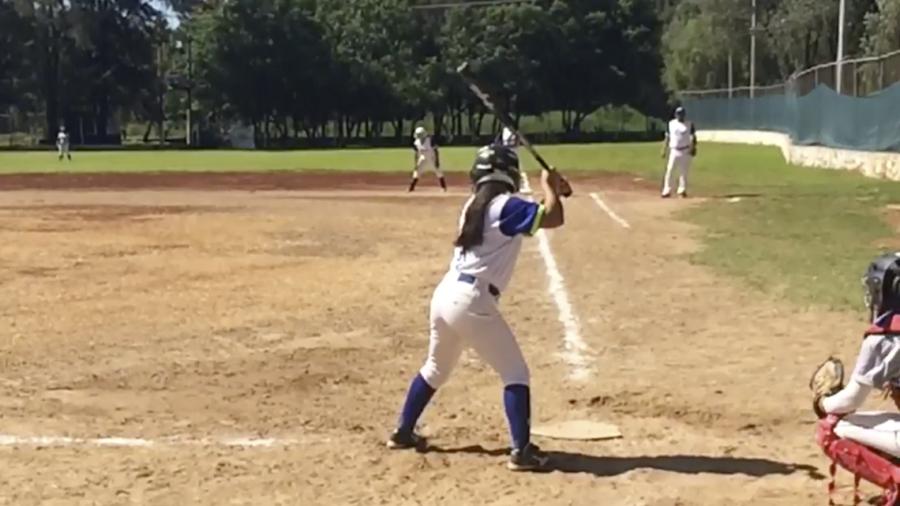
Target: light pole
x,y
730,73
752,48
190,89
188,85
840,49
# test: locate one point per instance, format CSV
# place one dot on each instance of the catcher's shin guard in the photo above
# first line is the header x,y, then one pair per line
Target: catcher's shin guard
x,y
860,460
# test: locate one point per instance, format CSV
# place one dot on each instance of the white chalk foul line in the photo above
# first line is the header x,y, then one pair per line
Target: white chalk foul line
x,y
128,442
575,349
612,214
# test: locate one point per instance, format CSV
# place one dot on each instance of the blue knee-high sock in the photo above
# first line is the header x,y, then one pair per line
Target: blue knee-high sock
x,y
420,393
517,401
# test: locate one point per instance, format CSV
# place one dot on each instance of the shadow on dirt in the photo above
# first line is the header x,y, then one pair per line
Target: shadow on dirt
x,y
567,462
686,464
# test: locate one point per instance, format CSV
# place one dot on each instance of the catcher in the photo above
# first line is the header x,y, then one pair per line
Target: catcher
x,y
877,367
866,443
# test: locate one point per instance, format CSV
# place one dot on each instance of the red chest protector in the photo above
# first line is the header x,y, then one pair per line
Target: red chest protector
x,y
886,324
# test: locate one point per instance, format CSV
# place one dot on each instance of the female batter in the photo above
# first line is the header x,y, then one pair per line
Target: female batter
x,y
464,308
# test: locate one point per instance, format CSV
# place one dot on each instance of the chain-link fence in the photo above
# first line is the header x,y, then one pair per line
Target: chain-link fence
x,y
21,129
736,92
860,77
862,113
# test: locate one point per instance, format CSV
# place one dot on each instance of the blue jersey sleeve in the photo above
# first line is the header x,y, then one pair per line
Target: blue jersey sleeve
x,y
520,217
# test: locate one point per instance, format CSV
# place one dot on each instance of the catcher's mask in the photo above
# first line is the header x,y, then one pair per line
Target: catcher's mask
x,y
882,285
496,163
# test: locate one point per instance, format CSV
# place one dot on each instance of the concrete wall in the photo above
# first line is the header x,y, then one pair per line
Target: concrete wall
x,y
872,164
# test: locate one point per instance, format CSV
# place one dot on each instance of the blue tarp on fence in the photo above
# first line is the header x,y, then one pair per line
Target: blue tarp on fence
x,y
822,117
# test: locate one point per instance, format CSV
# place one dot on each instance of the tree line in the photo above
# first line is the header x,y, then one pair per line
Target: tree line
x,y
316,69
791,35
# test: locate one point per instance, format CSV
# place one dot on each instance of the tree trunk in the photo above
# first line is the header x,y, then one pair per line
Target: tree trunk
x,y
51,69
438,124
571,121
147,132
579,119
398,128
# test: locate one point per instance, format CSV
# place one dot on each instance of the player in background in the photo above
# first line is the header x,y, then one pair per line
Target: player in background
x,y
508,138
426,153
464,306
62,144
681,146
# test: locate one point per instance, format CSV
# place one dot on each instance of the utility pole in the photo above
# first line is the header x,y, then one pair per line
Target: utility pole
x,y
840,49
190,89
753,48
162,92
730,73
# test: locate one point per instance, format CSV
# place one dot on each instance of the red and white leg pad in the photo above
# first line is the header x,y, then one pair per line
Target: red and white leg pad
x,y
860,460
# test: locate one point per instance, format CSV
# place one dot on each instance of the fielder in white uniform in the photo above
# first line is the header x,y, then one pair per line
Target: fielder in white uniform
x,y
62,144
426,153
681,145
877,366
464,306
509,139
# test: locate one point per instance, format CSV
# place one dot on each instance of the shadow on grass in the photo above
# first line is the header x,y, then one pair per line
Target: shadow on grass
x,y
568,462
737,195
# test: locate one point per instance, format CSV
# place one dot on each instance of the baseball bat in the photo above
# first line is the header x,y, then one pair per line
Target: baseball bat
x,y
505,120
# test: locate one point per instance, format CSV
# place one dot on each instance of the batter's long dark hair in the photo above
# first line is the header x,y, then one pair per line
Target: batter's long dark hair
x,y
472,233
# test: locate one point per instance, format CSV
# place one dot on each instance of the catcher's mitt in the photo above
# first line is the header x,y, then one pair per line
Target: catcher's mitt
x,y
828,379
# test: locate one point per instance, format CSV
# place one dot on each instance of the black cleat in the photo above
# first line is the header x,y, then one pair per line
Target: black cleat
x,y
530,458
402,440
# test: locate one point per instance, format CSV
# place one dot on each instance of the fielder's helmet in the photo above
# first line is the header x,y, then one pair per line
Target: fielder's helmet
x,y
496,163
882,284
420,133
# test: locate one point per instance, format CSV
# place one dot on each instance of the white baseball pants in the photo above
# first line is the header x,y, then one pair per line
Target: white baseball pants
x,y
63,149
426,161
679,160
463,315
877,430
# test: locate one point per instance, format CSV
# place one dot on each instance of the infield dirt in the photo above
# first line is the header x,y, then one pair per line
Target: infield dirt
x,y
185,309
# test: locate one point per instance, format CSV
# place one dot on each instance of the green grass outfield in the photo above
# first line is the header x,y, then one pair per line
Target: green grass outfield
x,y
581,157
719,165
807,235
